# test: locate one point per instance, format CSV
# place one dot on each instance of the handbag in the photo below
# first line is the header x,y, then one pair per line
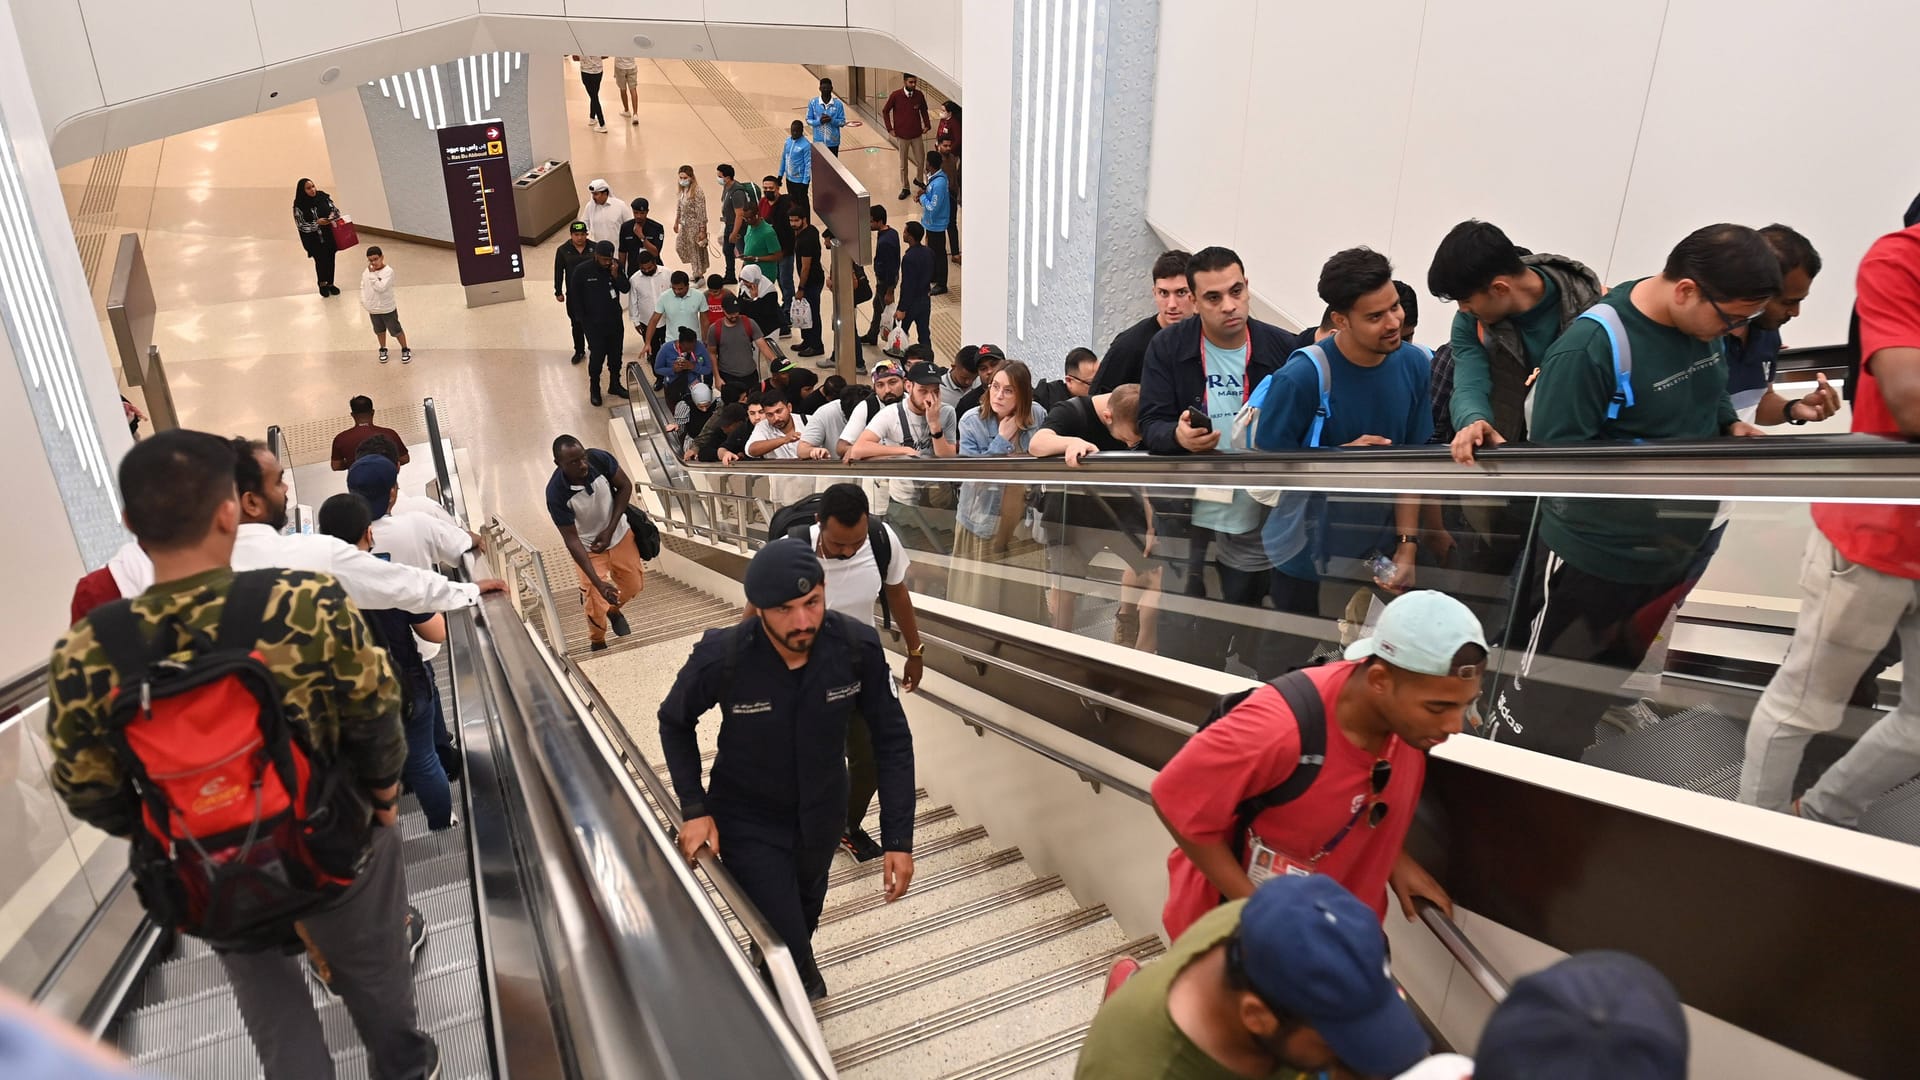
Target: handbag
x,y
344,234
862,288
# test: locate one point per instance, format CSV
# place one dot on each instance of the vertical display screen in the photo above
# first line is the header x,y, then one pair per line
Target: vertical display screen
x,y
486,233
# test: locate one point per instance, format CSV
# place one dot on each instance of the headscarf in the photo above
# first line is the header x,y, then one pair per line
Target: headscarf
x,y
303,201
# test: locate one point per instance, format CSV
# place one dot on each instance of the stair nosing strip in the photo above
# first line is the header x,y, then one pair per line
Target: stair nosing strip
x,y
847,875
940,920
959,1016
985,864
1008,945
1028,1056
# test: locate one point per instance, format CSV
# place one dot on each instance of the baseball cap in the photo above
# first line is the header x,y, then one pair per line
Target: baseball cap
x,y
373,479
604,247
1309,947
596,185
730,304
783,365
989,352
782,571
640,203
578,226
1420,632
886,369
925,373
1594,1014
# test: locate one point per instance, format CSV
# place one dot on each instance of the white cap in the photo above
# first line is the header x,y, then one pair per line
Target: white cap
x,y
596,185
1421,632
702,394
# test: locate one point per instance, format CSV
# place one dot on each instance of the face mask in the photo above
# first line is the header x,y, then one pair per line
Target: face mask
x,y
684,181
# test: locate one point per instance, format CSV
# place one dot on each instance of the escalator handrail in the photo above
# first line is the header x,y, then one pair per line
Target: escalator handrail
x,y
779,959
22,693
440,470
1463,950
277,446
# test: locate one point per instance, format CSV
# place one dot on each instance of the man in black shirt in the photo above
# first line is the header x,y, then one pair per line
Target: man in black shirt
x,y
642,233
916,278
886,269
1172,301
776,209
809,277
1080,526
723,438
570,254
1076,381
593,300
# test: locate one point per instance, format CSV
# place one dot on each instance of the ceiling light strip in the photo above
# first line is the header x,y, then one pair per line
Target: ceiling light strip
x,y
1086,96
1066,122
1039,134
1020,217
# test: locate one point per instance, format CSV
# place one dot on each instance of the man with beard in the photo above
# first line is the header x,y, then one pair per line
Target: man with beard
x,y
1172,301
1753,348
788,681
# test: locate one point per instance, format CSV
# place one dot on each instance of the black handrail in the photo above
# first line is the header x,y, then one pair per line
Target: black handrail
x,y
440,470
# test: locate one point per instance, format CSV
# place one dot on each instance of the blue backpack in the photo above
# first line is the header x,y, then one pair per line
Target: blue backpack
x,y
1609,319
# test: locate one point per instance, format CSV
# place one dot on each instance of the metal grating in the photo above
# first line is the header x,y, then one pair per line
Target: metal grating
x,y
93,220
727,95
1692,749
1895,815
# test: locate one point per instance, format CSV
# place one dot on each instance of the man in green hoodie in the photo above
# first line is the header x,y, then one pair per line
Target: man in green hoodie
x,y
1646,362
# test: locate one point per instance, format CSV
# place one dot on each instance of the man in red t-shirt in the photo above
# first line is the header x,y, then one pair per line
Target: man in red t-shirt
x,y
1397,695
1861,577
347,443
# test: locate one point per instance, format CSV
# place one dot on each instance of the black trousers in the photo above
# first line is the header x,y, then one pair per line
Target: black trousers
x,y
788,885
863,777
881,294
592,83
604,344
323,254
798,189
937,243
579,339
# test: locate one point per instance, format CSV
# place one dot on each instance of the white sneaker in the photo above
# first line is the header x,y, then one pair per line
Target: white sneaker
x,y
602,129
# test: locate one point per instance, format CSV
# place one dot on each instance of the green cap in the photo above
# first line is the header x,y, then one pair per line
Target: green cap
x,y
1421,632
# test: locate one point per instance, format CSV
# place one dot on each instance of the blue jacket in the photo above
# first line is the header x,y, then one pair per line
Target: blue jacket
x,y
916,276
670,351
827,120
781,774
796,161
886,259
936,204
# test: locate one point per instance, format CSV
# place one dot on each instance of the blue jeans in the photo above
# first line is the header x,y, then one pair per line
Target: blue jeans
x,y
423,771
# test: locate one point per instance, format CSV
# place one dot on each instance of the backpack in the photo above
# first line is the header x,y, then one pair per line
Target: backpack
x,y
797,520
1609,319
1310,713
1247,424
646,535
243,829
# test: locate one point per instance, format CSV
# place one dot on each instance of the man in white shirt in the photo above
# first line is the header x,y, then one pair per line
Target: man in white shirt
x,y
777,437
643,299
603,213
370,582
409,539
918,426
824,428
376,295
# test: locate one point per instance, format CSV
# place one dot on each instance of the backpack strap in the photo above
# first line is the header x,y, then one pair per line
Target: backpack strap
x,y
1609,319
119,635
244,614
882,545
1319,357
1310,713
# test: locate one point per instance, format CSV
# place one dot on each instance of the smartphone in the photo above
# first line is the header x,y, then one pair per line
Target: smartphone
x,y
1199,420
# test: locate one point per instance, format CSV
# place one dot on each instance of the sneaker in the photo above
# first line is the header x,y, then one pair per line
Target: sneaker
x,y
859,845
432,1071
406,356
383,356
825,363
416,933
1126,627
904,195
619,623
601,127
598,646
1638,716
619,391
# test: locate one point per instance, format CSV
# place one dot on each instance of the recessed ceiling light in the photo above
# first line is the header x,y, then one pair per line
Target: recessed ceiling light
x,y
643,41
329,75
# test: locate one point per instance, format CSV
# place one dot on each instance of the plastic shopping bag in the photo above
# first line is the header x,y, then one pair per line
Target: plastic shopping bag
x,y
801,313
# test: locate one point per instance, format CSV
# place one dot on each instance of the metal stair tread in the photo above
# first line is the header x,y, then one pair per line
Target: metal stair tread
x,y
1051,1056
992,1017
872,917
961,924
849,909
846,873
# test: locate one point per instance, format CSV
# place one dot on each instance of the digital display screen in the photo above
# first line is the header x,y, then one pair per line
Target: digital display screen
x,y
486,232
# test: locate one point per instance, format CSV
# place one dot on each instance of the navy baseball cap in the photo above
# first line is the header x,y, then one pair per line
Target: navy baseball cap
x,y
1310,948
373,478
783,570
1592,1015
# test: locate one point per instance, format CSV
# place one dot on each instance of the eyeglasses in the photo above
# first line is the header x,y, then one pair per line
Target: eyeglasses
x,y
1077,379
1381,776
1732,323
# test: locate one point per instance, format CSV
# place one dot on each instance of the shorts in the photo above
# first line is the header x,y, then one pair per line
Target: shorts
x,y
1070,548
386,322
626,78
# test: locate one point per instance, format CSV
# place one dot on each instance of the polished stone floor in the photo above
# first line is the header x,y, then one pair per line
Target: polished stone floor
x,y
247,342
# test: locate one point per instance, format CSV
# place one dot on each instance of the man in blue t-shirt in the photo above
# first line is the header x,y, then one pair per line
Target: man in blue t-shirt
x,y
1377,393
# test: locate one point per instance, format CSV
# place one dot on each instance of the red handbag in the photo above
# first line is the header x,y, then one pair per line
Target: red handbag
x,y
344,234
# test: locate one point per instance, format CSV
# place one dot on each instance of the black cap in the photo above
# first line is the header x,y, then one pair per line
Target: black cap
x,y
640,203
578,226
925,373
782,571
604,247
730,304
989,351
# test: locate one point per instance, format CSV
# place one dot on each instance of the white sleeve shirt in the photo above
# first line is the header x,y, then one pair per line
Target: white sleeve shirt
x,y
420,540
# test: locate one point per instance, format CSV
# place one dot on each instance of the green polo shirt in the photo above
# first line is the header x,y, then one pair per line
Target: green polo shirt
x,y
1679,392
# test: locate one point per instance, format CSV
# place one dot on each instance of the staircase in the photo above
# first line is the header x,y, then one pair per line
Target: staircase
x,y
985,969
182,1019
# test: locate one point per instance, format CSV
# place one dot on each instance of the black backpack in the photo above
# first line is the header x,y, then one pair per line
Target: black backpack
x,y
797,520
243,828
1310,713
646,535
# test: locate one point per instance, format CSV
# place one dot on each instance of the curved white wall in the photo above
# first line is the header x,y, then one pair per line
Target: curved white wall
x,y
114,73
1289,130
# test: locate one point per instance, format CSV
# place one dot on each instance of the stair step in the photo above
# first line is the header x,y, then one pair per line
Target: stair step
x,y
1051,1058
852,906
941,933
989,1026
871,1009
923,857
869,916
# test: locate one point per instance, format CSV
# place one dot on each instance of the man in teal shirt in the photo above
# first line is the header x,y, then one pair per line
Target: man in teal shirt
x,y
1604,573
1512,307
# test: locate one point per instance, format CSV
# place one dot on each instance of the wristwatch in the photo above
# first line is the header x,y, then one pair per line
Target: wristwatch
x,y
1406,538
916,652
1792,419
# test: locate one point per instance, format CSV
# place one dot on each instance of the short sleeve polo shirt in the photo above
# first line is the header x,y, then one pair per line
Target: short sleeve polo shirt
x,y
588,506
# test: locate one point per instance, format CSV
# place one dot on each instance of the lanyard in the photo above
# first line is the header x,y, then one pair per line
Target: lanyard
x,y
1326,849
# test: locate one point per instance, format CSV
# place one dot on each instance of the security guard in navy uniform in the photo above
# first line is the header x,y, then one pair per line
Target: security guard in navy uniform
x,y
787,681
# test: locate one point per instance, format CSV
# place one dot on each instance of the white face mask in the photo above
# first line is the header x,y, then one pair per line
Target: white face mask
x,y
684,181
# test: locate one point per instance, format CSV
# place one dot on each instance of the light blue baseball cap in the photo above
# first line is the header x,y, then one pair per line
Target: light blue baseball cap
x,y
1421,632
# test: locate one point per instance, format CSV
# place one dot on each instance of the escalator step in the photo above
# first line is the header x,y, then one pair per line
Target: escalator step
x,y
1692,748
1895,815
450,869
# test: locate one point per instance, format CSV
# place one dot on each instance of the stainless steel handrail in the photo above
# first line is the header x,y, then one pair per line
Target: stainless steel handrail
x,y
1093,774
277,446
1465,953
529,565
791,991
22,693
1108,701
440,470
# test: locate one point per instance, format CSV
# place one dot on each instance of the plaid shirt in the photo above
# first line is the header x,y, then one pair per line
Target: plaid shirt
x,y
1441,396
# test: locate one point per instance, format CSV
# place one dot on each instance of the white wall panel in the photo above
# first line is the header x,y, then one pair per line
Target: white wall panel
x,y
288,31
782,44
787,12
872,14
685,40
1320,133
987,26
418,13
143,48
1818,136
1493,140
59,61
523,7
678,10
931,30
1200,101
